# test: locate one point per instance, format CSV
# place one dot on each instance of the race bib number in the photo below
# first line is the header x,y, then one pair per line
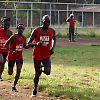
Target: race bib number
x,y
19,47
2,42
45,40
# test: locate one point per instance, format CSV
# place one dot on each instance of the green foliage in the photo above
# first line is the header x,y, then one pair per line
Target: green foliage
x,y
92,33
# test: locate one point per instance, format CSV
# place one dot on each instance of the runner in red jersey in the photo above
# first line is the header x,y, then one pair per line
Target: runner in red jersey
x,y
46,40
4,35
43,34
15,45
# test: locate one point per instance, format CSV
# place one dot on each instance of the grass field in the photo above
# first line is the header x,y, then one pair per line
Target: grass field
x,y
85,32
75,73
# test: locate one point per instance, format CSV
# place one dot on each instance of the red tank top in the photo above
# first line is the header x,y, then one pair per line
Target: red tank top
x,y
18,47
40,53
71,22
3,39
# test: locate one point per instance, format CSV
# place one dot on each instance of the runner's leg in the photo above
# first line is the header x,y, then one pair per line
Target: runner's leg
x,y
2,63
10,67
47,65
19,64
37,64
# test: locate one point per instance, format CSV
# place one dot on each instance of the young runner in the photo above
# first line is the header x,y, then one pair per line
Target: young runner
x,y
17,42
45,34
5,33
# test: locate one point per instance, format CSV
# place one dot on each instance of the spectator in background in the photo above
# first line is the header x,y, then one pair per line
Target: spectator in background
x,y
71,21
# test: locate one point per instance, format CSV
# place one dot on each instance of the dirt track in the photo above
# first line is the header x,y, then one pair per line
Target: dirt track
x,y
24,94
65,42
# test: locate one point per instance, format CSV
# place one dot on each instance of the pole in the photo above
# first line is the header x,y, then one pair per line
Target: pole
x,y
67,17
31,15
27,17
50,14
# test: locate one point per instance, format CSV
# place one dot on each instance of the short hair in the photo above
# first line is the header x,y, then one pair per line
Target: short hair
x,y
43,18
20,24
4,19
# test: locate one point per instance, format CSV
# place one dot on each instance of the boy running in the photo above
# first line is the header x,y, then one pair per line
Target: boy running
x,y
5,33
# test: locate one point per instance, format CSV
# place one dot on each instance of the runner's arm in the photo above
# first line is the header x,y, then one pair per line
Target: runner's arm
x,y
32,37
25,46
54,42
10,33
10,40
67,20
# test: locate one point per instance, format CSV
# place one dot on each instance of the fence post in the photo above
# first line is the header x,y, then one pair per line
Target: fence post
x,y
40,16
50,14
67,17
58,24
93,25
16,17
5,12
31,15
82,16
27,17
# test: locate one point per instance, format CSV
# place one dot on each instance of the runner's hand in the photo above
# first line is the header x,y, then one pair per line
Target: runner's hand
x,y
14,53
51,51
39,44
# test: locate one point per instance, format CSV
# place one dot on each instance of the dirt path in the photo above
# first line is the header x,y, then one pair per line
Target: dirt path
x,y
24,94
65,42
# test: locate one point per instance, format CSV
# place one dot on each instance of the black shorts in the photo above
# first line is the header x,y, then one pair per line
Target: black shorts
x,y
46,62
11,63
4,54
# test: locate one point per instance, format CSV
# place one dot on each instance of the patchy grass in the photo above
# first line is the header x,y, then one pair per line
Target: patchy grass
x,y
75,73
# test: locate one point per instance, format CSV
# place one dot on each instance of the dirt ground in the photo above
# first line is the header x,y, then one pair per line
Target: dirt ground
x,y
83,42
25,94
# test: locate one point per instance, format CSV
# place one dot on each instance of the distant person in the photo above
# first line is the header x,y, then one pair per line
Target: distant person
x,y
42,54
71,21
5,33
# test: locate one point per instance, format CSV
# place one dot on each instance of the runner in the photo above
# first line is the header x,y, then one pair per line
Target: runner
x,y
2,19
43,34
5,33
17,43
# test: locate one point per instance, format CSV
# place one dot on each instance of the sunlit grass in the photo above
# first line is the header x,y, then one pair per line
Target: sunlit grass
x,y
75,73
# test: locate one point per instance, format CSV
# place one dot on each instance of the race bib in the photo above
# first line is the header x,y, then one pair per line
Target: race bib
x,y
2,42
19,47
45,40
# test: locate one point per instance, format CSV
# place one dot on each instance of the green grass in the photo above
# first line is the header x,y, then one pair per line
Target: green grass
x,y
75,73
87,32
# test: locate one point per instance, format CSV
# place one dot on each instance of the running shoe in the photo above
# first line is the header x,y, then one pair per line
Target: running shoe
x,y
69,40
34,93
14,89
1,79
73,40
